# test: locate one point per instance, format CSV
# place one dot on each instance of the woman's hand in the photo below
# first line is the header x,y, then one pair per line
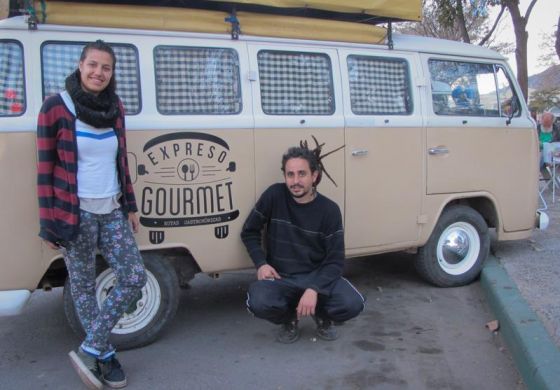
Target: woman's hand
x,y
134,222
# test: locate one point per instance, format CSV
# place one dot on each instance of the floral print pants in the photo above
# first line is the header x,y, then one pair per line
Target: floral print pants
x,y
111,233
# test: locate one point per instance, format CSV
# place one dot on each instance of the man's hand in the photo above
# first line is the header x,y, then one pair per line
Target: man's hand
x,y
134,222
51,245
307,303
267,272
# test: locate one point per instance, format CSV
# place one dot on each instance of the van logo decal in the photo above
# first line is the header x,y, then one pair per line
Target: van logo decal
x,y
221,231
187,181
157,236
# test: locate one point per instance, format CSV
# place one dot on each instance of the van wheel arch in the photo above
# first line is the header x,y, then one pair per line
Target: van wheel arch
x,y
150,315
483,205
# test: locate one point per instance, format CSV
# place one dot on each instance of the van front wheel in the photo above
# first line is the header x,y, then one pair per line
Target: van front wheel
x,y
147,317
456,250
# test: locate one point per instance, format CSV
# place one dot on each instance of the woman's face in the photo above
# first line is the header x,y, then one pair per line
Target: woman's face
x,y
96,71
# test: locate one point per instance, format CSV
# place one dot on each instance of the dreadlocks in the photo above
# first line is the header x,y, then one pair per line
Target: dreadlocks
x,y
317,157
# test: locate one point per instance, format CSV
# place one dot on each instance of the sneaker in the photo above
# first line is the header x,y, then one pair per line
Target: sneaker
x,y
87,368
325,329
288,333
112,373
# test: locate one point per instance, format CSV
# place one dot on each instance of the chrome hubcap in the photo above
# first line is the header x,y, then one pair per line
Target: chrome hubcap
x,y
458,248
142,310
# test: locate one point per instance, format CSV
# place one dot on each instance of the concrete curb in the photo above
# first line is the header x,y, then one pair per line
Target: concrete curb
x,y
536,356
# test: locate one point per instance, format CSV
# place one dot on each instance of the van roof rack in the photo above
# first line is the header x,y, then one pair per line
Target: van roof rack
x,y
357,22
373,12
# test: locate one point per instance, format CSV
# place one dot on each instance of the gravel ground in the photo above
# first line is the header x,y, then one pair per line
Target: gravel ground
x,y
534,265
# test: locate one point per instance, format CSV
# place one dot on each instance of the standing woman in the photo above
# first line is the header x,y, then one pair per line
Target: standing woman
x,y
86,202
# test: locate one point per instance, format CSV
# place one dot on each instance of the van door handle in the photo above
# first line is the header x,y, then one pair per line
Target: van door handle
x,y
359,152
438,150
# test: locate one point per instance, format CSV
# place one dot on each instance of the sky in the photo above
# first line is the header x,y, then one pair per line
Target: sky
x,y
543,19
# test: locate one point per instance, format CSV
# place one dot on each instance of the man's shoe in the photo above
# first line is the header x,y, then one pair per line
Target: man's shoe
x,y
112,373
87,368
288,333
325,329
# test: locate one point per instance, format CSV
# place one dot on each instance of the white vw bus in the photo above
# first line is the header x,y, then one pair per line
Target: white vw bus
x,y
438,147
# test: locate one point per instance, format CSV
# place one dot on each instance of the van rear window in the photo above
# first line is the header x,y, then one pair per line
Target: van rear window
x,y
378,86
59,59
197,80
294,83
12,86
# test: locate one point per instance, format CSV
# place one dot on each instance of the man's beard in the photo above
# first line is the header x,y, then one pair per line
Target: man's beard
x,y
299,196
296,195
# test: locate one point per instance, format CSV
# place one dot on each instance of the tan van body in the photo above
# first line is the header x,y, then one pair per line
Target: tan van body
x,y
197,174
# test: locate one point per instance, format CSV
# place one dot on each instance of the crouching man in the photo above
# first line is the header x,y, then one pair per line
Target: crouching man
x,y
301,273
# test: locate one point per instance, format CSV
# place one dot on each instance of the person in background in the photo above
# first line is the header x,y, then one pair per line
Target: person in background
x,y
86,202
301,272
549,137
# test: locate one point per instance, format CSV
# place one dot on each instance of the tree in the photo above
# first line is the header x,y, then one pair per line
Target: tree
x,y
558,38
544,99
457,13
439,21
548,55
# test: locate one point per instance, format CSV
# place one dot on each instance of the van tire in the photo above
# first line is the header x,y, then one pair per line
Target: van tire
x,y
445,267
159,302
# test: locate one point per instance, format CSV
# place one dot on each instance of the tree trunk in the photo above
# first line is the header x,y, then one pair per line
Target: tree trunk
x,y
461,23
491,31
521,36
4,8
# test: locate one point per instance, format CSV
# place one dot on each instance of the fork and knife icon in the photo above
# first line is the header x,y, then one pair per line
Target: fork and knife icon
x,y
188,169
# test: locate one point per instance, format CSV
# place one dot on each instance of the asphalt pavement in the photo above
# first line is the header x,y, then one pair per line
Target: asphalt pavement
x,y
410,336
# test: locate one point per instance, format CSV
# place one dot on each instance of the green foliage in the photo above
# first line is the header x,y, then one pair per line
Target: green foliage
x,y
544,99
548,55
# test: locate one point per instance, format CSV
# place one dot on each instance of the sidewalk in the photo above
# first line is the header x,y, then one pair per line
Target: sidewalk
x,y
522,284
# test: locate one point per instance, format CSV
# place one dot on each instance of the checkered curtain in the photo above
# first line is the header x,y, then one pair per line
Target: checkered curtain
x,y
59,59
197,80
294,83
378,86
12,87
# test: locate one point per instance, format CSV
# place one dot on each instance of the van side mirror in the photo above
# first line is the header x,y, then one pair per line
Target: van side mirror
x,y
514,108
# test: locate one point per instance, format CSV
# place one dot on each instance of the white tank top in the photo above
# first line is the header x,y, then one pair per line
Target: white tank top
x,y
97,159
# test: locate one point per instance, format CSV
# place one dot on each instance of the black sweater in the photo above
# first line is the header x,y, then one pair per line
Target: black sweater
x,y
302,240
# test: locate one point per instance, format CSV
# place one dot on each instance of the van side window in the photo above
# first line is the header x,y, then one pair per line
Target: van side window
x,y
197,81
12,86
295,83
59,59
378,86
465,88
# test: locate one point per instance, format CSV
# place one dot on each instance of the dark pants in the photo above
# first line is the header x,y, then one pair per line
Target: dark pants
x,y
276,300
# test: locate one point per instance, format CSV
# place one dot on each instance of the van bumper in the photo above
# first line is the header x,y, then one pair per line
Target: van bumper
x,y
542,220
12,302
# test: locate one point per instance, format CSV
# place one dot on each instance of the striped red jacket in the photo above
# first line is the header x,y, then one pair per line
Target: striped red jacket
x,y
57,167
